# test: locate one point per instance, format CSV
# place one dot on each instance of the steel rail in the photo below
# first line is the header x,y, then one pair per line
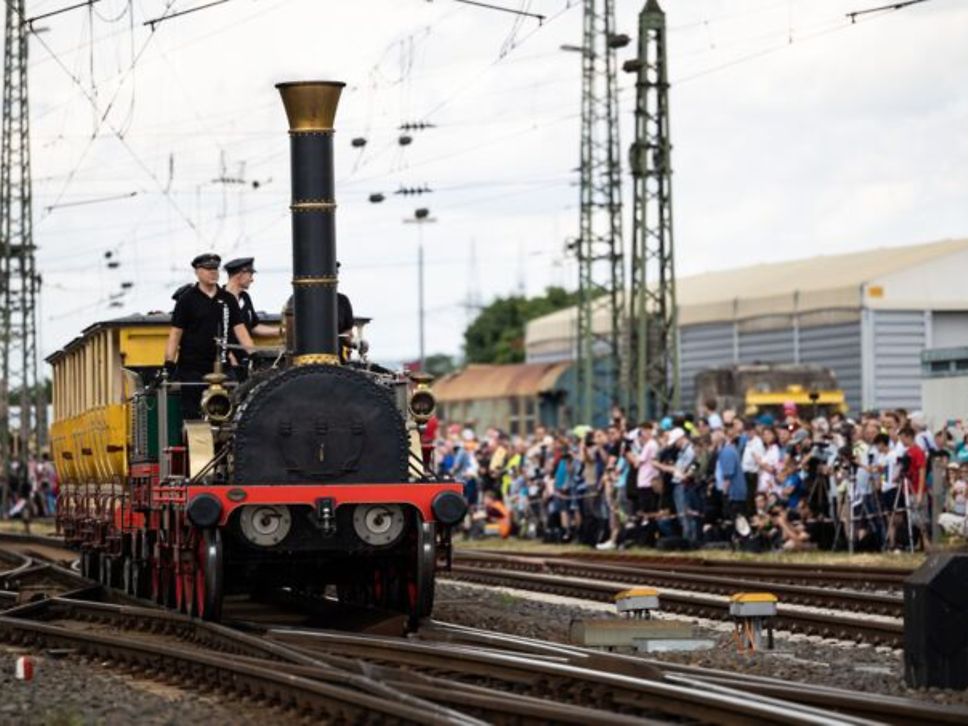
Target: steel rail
x,y
337,700
870,630
875,706
639,696
854,600
836,575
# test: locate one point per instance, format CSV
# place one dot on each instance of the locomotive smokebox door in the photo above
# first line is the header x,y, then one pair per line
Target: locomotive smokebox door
x,y
321,449
320,424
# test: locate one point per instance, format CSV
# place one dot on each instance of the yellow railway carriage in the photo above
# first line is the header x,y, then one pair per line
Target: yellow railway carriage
x,y
92,383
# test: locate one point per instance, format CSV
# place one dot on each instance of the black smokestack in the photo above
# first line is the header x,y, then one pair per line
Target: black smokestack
x,y
311,108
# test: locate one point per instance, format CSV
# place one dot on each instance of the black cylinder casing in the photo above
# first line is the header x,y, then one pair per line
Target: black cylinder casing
x,y
313,243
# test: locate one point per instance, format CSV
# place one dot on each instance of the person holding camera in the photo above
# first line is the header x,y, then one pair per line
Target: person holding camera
x,y
888,470
915,479
682,474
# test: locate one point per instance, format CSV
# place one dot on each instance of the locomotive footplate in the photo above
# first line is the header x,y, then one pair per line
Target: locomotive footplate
x,y
434,501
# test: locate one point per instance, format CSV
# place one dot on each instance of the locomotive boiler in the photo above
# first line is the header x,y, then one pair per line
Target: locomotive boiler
x,y
310,474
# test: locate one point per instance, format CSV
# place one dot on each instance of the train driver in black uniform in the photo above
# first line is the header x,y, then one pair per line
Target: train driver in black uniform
x,y
241,275
202,313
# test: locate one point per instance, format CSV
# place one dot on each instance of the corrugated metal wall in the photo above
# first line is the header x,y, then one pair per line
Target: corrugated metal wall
x,y
766,346
899,338
838,347
949,329
701,347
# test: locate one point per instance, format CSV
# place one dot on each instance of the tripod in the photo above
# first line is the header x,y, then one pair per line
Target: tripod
x,y
900,505
844,507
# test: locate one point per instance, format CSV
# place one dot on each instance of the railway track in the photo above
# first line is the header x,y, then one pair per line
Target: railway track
x,y
720,584
839,576
874,706
830,625
639,693
449,675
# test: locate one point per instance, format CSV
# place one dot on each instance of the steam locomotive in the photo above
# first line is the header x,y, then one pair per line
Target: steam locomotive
x,y
309,474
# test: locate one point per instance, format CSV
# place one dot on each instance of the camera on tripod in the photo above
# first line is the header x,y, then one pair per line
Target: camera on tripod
x,y
904,461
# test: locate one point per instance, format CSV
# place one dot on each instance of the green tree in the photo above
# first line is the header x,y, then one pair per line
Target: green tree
x,y
439,364
497,333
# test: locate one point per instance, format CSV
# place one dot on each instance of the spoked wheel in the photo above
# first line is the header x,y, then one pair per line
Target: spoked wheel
x,y
188,568
139,579
178,580
421,576
209,576
127,567
106,571
156,579
89,564
162,585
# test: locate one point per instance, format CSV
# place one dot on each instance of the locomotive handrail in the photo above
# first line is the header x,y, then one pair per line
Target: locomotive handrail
x,y
209,466
417,465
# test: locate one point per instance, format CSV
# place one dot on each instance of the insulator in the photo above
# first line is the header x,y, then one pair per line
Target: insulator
x,y
127,285
113,265
108,255
421,213
377,198
358,143
618,40
405,140
632,66
256,184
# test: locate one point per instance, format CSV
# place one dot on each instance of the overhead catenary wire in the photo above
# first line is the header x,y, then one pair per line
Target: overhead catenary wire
x,y
489,6
104,115
170,16
97,200
60,11
854,14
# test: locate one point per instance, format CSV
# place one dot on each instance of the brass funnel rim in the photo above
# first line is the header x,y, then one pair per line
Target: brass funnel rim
x,y
291,84
310,105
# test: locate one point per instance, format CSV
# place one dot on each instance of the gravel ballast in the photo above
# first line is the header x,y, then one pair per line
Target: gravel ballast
x,y
807,659
69,691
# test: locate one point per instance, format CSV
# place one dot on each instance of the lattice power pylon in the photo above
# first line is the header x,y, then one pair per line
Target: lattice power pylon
x,y
653,340
601,271
18,277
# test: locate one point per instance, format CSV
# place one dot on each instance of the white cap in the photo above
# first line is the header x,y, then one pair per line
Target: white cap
x,y
675,435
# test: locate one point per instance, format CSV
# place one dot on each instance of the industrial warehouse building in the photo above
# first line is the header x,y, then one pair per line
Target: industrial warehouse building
x,y
866,315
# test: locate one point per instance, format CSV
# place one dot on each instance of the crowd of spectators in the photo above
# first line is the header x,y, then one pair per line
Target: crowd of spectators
x,y
715,480
32,491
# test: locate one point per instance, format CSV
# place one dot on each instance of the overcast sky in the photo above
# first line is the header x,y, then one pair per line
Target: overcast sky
x,y
795,133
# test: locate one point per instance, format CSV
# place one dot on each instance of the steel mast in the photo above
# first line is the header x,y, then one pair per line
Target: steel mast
x,y
598,248
19,281
653,338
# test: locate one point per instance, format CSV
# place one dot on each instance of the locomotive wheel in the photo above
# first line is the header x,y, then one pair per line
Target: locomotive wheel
x,y
106,571
139,580
155,565
209,576
127,568
420,576
187,579
178,567
426,578
89,564
162,585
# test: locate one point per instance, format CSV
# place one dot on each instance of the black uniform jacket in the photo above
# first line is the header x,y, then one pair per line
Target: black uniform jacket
x,y
202,319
